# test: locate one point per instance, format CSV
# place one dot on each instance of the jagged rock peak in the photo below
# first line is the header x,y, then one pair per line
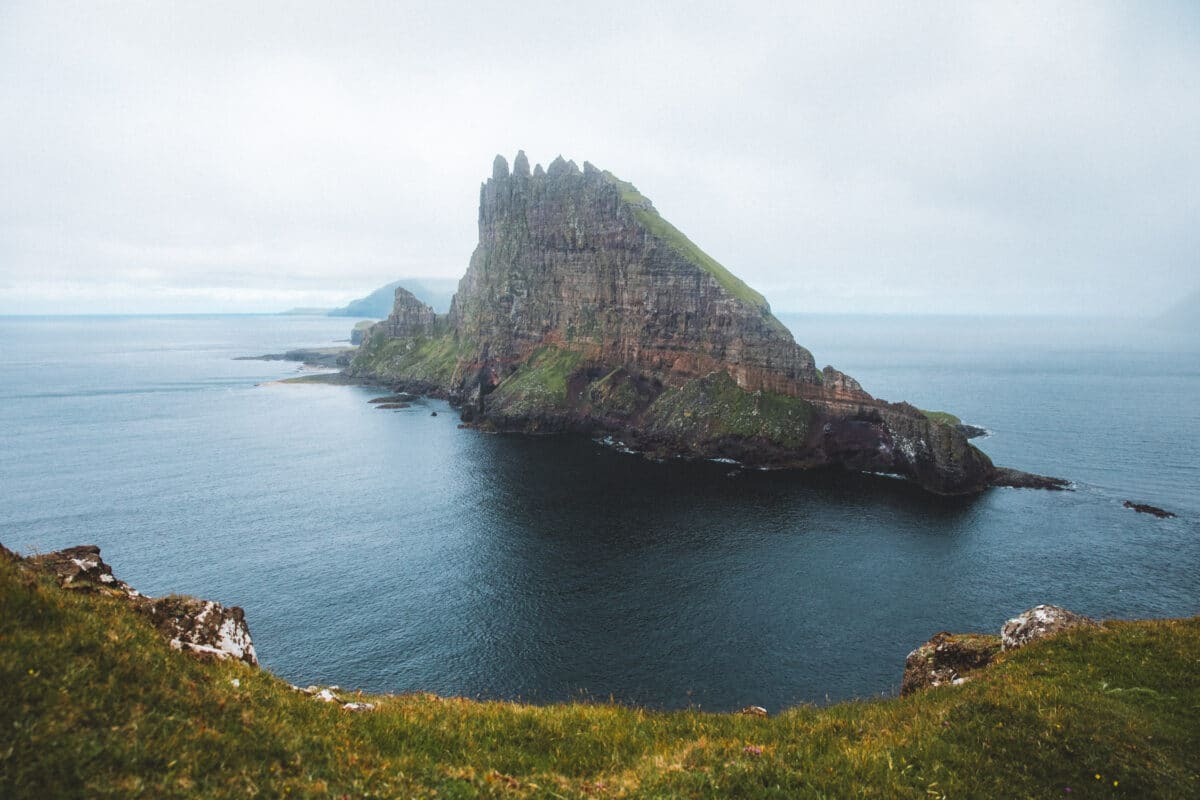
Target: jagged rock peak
x,y
520,165
538,171
409,317
560,166
500,168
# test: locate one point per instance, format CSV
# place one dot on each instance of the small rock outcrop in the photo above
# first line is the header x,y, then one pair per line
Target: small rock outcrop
x,y
950,658
409,318
81,569
946,659
583,310
1016,479
201,627
1143,508
1040,622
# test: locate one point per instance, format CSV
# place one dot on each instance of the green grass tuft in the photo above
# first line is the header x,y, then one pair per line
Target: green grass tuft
x,y
941,417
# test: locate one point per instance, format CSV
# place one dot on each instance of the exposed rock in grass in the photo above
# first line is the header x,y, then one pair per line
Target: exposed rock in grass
x,y
81,568
202,627
949,658
1038,623
946,659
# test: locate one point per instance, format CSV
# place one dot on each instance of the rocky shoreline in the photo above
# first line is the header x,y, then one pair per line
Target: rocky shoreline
x,y
311,357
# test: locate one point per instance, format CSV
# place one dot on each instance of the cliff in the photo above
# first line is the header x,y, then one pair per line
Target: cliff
x,y
94,702
584,310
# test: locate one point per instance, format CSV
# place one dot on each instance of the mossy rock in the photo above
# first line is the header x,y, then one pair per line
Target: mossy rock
x,y
538,385
434,360
714,407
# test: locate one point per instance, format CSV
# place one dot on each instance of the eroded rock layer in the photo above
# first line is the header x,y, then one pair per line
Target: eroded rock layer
x,y
584,310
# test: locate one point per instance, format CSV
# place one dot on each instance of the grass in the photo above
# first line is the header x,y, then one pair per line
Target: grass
x,y
433,359
94,704
674,238
715,407
539,383
941,417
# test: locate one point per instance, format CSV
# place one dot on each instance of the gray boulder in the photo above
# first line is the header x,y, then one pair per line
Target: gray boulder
x,y
1038,623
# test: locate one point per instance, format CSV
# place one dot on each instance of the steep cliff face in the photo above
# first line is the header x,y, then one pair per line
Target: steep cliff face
x,y
584,310
582,261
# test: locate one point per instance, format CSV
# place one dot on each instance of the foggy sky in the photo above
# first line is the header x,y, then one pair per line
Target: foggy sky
x,y
941,157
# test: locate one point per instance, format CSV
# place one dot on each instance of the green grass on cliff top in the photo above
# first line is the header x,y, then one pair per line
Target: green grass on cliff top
x,y
941,417
664,230
94,704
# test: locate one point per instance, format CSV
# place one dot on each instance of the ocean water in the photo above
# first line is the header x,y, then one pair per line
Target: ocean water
x,y
393,551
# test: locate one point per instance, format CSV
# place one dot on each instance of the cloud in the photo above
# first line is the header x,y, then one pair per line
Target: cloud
x,y
921,157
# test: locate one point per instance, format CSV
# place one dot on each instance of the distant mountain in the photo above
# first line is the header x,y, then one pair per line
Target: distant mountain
x,y
436,292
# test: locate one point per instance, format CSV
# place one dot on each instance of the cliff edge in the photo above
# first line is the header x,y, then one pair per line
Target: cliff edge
x,y
584,310
95,703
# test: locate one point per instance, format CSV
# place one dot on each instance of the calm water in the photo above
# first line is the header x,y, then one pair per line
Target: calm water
x,y
394,552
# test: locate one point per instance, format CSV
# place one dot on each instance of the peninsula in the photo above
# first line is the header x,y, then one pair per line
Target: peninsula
x,y
583,310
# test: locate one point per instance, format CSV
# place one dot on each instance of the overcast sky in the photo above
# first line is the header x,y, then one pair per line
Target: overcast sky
x,y
945,157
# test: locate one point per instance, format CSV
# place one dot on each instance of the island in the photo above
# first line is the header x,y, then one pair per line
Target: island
x,y
583,310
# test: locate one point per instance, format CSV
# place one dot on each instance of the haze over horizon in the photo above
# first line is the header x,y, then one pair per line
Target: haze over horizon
x,y
938,158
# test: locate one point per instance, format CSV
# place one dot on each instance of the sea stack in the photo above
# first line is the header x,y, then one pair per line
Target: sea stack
x,y
583,310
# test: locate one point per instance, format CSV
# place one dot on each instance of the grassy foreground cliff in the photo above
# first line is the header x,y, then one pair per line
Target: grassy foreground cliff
x,y
93,703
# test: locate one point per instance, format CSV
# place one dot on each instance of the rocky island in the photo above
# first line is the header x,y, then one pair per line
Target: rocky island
x,y
583,310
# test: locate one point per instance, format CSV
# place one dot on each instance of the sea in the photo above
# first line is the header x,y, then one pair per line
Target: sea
x,y
392,551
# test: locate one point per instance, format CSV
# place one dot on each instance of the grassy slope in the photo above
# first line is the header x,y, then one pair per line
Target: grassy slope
x,y
941,417
94,704
714,407
686,247
540,383
434,359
